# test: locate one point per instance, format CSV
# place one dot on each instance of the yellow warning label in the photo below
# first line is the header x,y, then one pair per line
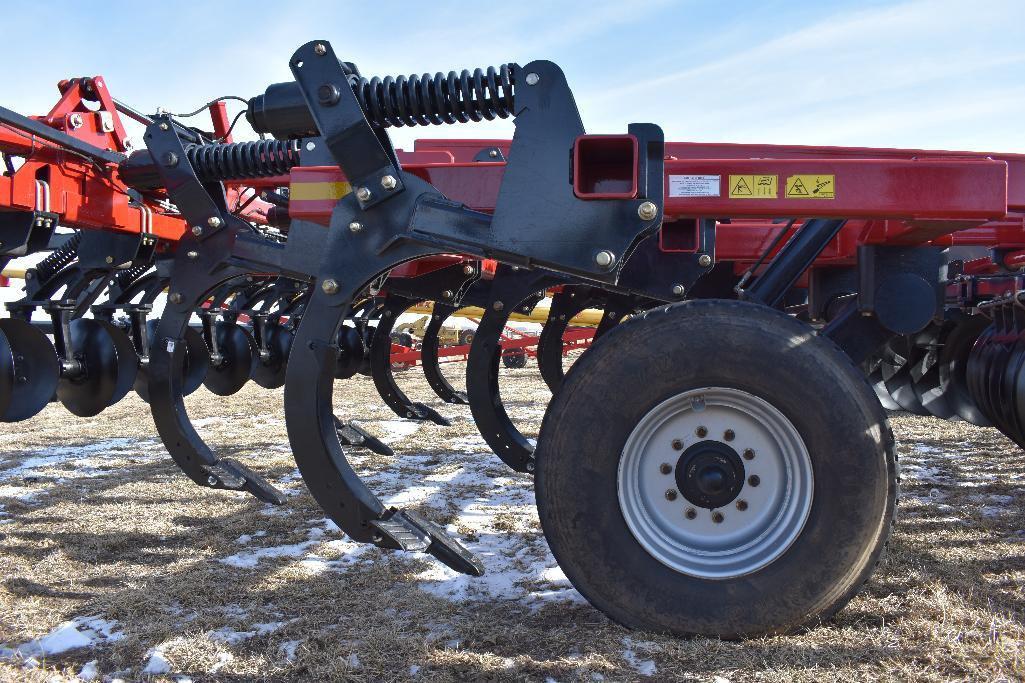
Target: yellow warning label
x,y
753,186
811,187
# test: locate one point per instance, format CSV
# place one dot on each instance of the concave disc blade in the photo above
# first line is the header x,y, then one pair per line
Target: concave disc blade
x,y
237,348
109,364
29,370
953,363
270,373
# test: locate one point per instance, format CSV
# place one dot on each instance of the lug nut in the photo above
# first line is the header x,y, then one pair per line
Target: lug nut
x,y
665,468
729,435
671,494
701,431
741,505
717,517
754,480
677,445
749,454
691,513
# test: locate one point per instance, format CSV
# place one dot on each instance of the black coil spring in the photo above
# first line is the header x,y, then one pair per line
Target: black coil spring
x,y
124,278
59,258
239,160
425,100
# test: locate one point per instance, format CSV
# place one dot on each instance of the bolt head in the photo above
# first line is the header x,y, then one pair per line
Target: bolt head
x,y
197,230
193,255
665,468
355,227
213,222
498,305
493,153
447,294
363,194
212,480
604,258
704,260
329,286
679,290
389,182
76,120
320,49
467,269
310,146
109,259
647,211
176,298
170,159
671,494
164,126
532,78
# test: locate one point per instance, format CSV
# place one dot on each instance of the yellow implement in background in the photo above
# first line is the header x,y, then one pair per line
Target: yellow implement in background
x,y
587,318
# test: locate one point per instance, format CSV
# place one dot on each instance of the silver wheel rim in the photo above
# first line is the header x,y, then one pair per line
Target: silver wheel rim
x,y
738,538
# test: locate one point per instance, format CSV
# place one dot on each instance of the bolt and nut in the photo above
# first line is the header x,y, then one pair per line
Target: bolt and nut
x,y
212,480
647,211
691,513
197,230
532,78
704,260
109,259
447,294
729,435
701,431
671,494
467,269
176,298
363,194
389,182
679,290
677,445
320,49
498,305
214,222
749,454
193,255
717,517
329,286
754,480
355,227
665,468
741,505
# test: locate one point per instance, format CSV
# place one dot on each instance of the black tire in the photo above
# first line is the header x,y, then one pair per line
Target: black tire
x,y
514,359
697,344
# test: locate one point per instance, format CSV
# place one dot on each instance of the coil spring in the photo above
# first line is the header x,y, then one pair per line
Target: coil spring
x,y
124,278
239,160
59,258
424,100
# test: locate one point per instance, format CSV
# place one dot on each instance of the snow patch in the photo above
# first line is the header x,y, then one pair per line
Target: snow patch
x,y
80,632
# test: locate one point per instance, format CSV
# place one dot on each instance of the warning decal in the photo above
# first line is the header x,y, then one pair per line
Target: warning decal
x,y
753,186
811,187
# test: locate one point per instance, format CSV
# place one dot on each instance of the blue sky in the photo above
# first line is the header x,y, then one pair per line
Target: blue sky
x,y
933,73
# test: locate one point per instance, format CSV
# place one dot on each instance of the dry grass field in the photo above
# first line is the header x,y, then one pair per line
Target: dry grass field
x,y
114,566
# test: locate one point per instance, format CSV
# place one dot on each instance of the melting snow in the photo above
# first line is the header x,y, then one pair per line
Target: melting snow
x,y
644,667
157,663
78,633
